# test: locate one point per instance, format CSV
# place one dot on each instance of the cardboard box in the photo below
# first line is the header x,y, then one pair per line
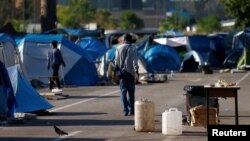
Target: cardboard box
x,y
199,116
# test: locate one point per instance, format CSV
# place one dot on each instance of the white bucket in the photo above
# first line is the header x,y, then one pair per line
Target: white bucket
x,y
172,122
144,116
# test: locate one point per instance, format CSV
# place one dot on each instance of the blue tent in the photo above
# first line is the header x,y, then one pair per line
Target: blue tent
x,y
205,48
220,50
161,58
191,62
80,69
7,100
241,41
244,38
232,58
94,46
111,53
6,38
26,97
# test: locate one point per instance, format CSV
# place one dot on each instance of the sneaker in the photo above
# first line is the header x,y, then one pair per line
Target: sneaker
x,y
126,114
131,113
56,90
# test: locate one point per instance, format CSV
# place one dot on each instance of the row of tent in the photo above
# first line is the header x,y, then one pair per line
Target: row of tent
x,y
189,53
181,53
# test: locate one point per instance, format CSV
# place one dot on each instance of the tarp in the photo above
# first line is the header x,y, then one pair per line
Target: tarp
x,y
161,58
200,43
94,46
173,42
80,68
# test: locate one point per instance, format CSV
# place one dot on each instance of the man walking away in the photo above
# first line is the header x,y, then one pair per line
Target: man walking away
x,y
55,60
126,57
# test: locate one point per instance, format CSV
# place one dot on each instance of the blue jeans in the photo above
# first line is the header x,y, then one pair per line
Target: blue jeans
x,y
127,87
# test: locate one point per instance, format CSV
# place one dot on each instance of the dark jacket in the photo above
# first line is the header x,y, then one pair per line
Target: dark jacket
x,y
55,58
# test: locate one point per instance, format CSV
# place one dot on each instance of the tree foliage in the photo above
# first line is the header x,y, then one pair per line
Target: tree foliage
x,y
209,24
166,26
105,19
14,15
174,22
239,9
129,20
77,13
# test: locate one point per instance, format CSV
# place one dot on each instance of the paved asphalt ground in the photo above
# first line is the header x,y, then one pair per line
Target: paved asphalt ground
x,y
95,114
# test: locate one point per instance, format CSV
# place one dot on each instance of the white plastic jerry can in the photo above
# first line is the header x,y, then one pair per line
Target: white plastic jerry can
x,y
172,122
144,116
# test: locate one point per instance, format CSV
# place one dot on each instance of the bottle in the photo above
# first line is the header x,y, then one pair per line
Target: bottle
x,y
172,73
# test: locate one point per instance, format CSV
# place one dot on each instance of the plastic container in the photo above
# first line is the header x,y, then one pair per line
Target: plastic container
x,y
144,116
172,122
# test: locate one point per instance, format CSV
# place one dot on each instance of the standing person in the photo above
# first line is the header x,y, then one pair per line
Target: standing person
x,y
127,52
55,60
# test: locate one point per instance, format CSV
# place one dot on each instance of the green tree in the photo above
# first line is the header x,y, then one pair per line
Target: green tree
x,y
105,19
129,20
166,26
174,22
209,24
19,25
239,9
76,14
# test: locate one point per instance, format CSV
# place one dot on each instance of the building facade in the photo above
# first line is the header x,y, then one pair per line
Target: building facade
x,y
153,12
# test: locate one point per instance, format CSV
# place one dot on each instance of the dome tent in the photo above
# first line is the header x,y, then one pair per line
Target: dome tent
x,y
80,68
